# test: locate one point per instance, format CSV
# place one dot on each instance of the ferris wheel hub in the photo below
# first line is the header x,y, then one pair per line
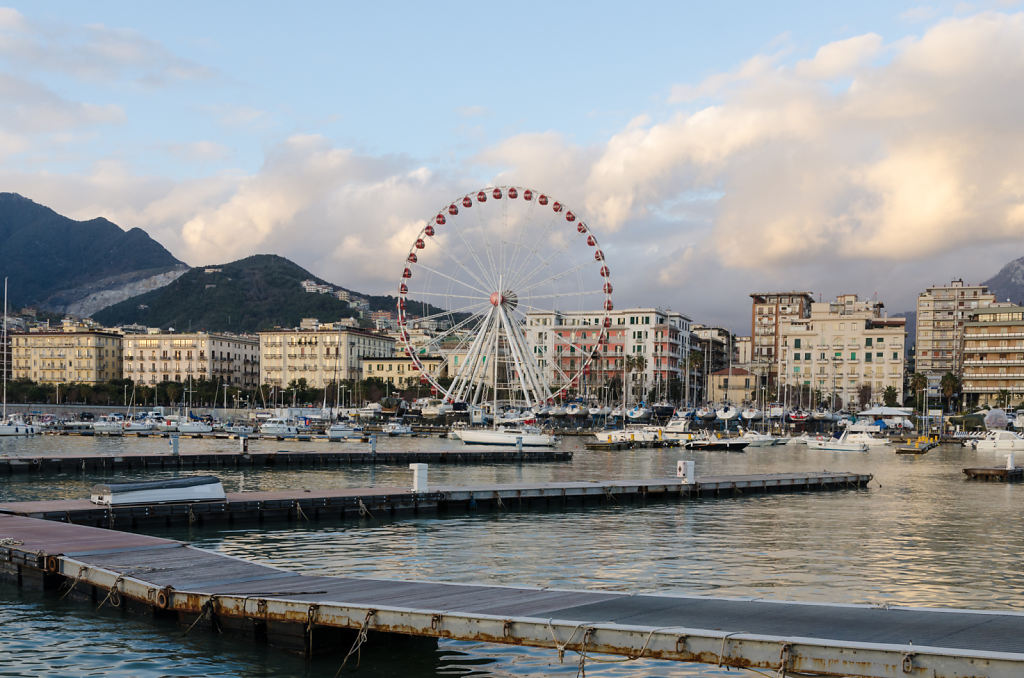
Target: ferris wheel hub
x,y
497,298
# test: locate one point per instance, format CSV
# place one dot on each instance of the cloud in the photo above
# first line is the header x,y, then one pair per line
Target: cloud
x,y
200,151
95,52
916,157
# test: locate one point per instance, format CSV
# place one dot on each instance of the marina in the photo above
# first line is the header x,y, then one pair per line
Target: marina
x,y
359,503
283,459
263,604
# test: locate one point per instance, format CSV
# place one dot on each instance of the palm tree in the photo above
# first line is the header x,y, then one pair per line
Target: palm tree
x,y
950,385
695,360
918,383
635,362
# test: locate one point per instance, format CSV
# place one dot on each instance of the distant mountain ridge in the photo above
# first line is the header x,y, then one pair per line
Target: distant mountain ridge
x,y
56,263
248,295
1008,284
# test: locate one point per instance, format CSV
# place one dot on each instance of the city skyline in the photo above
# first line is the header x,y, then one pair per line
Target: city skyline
x,y
869,150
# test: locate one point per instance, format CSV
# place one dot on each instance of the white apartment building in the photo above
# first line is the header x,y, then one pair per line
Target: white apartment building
x,y
561,341
942,311
320,356
165,356
841,347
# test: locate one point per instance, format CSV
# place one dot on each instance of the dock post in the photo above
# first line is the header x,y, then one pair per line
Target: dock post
x,y
1009,462
174,444
419,477
685,470
519,444
243,444
373,444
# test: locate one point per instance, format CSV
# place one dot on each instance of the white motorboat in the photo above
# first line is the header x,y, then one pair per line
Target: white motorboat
x,y
16,426
800,439
631,434
168,423
755,439
108,426
1000,441
594,411
867,439
432,409
727,412
139,425
821,414
508,435
396,428
677,428
840,444
194,427
345,431
373,410
238,429
279,426
751,414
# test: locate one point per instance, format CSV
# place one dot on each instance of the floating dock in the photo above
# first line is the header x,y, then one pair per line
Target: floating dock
x,y
997,474
209,592
64,463
356,503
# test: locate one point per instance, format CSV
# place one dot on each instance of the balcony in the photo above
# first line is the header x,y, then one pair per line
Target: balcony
x,y
994,362
1014,375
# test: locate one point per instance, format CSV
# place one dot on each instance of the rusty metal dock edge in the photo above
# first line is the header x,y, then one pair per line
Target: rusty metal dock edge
x,y
739,650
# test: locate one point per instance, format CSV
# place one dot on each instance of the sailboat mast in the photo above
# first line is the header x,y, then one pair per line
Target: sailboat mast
x,y
7,351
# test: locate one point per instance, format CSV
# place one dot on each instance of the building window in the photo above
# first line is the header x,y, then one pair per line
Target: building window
x,y
867,356
796,343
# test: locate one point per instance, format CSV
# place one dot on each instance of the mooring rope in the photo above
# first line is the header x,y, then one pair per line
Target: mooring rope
x,y
358,644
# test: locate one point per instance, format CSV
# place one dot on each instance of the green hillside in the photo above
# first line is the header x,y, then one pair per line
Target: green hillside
x,y
44,254
252,294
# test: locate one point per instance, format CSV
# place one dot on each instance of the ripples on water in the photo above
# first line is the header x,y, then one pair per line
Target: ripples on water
x,y
921,535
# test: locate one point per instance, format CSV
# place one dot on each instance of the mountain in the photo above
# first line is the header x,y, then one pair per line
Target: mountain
x,y
1008,284
248,295
59,264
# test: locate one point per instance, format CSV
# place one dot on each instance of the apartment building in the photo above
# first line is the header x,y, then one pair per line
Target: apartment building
x,y
562,341
319,355
842,347
156,357
400,371
942,312
62,357
768,313
993,354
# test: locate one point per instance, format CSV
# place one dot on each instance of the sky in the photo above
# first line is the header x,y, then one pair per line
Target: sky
x,y
717,148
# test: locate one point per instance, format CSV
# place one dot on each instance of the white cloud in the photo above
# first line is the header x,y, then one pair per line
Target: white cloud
x,y
838,59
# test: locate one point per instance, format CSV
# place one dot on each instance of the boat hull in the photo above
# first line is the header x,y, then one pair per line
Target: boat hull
x,y
486,437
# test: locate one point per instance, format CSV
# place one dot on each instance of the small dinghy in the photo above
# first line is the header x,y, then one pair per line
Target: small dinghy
x,y
175,490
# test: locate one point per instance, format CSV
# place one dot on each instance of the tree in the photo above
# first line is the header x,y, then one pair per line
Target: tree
x,y
864,395
950,385
890,396
634,363
918,383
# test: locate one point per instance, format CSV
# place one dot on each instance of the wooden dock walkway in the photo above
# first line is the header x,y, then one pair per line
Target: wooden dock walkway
x,y
356,503
207,591
64,463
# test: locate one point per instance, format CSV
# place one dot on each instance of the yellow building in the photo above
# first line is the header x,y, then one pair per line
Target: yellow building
x,y
81,357
226,358
994,354
398,371
733,385
320,356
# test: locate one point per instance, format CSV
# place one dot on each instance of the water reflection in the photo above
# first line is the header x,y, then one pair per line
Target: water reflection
x,y
921,535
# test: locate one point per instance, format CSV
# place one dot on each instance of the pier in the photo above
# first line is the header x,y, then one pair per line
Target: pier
x,y
209,592
65,463
357,503
996,474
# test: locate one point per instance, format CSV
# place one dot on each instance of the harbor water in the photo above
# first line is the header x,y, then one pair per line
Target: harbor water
x,y
921,535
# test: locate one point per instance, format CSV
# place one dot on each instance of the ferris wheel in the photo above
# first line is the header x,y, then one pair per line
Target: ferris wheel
x,y
483,293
